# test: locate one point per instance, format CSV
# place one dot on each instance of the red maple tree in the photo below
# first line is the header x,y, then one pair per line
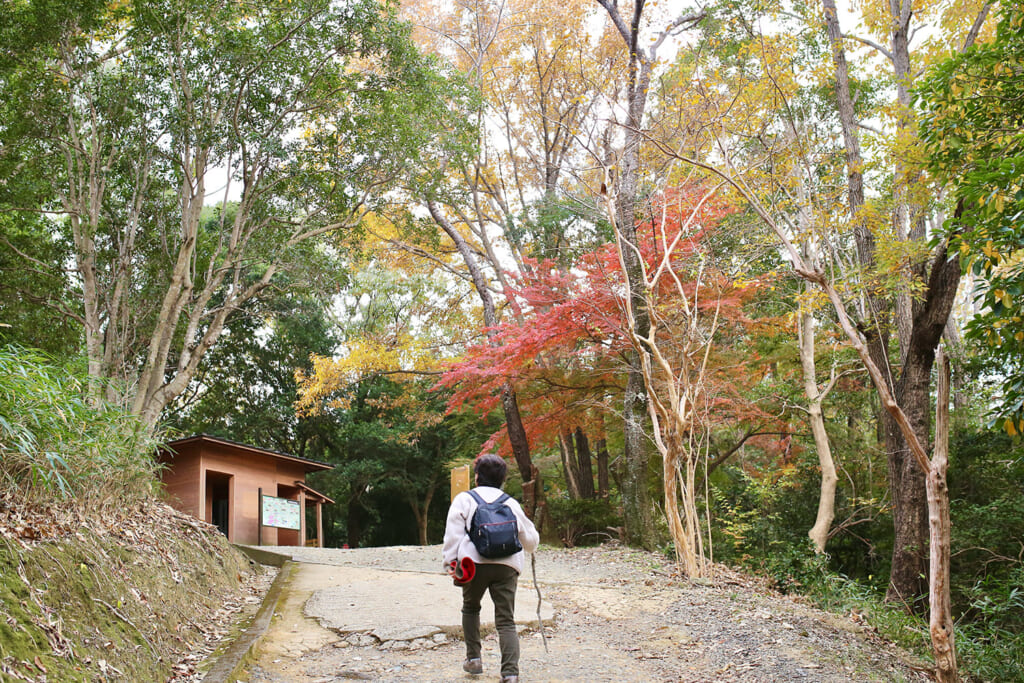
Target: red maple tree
x,y
565,354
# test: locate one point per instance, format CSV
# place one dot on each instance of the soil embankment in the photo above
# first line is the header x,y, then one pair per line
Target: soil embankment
x,y
129,594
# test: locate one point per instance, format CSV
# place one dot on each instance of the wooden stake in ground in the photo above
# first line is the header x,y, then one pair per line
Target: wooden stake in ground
x,y
940,621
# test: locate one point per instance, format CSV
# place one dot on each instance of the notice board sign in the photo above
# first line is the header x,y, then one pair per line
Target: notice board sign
x,y
280,512
460,480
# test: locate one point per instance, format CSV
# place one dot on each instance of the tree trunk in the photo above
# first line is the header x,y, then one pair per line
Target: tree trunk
x,y
921,322
565,449
532,490
805,334
421,520
906,486
637,505
958,387
354,521
421,525
913,394
909,572
585,479
602,468
637,502
681,526
827,497
422,513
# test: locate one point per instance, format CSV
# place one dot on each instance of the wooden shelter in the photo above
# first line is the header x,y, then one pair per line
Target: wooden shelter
x,y
233,486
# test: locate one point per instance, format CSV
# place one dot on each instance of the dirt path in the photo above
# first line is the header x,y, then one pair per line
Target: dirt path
x,y
613,614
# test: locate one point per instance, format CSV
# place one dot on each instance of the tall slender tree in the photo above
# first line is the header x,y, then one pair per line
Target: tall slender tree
x,y
919,315
641,45
305,115
536,79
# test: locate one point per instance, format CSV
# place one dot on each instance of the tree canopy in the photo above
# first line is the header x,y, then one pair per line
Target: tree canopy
x,y
297,119
973,130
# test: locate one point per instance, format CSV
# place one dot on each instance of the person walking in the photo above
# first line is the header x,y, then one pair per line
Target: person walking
x,y
496,574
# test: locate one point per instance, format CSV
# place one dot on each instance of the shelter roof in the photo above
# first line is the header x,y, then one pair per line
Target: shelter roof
x,y
310,465
313,493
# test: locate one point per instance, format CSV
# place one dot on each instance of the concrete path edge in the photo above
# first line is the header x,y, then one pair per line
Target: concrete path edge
x,y
262,555
229,664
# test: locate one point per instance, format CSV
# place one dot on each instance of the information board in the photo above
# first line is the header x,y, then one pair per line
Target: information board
x,y
280,512
460,480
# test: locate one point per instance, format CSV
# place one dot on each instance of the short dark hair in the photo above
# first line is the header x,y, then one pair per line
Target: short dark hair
x,y
490,470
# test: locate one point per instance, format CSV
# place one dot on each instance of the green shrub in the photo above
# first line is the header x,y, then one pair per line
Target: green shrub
x,y
986,486
762,524
56,444
583,521
990,636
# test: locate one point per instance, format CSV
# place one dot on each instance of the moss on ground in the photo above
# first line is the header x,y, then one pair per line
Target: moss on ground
x,y
120,603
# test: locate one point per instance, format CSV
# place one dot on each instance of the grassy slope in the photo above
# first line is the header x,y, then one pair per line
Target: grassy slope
x,y
120,595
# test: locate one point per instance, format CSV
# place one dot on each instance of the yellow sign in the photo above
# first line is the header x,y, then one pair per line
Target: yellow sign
x,y
460,479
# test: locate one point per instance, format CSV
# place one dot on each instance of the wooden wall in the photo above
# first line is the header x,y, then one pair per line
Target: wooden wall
x,y
183,482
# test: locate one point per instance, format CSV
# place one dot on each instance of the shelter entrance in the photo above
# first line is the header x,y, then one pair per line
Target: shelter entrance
x,y
218,501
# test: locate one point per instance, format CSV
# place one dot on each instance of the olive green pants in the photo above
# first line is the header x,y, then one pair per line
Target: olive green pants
x,y
501,581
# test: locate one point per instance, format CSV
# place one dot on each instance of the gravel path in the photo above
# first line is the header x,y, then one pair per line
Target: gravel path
x,y
619,615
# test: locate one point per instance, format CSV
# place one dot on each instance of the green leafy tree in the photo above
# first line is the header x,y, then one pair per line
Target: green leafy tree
x,y
31,26
307,114
390,463
33,298
245,389
391,439
973,131
33,290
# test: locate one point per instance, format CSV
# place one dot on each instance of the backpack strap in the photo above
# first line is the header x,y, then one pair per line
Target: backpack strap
x,y
480,501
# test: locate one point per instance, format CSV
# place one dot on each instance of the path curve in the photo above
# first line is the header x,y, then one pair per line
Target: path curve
x,y
611,614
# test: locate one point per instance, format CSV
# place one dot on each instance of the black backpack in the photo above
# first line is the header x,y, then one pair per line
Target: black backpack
x,y
493,529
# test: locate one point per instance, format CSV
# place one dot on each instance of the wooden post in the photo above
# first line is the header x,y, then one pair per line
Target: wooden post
x,y
259,516
302,518
319,525
940,618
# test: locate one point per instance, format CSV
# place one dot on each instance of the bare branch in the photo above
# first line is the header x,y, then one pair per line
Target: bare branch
x,y
979,21
872,44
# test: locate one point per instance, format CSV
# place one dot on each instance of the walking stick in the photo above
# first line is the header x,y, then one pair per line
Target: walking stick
x,y
540,623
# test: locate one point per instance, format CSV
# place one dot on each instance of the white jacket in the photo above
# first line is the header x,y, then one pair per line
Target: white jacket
x,y
457,543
